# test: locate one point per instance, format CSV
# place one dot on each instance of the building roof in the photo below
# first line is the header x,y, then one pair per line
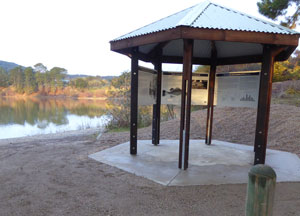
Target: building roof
x,y
237,37
208,15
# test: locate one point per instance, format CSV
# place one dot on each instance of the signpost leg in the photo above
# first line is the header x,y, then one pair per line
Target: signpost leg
x,y
134,102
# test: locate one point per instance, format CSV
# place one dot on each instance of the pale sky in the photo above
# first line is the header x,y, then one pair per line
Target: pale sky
x,y
75,34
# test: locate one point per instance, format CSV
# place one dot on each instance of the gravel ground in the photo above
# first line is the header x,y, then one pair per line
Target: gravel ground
x,y
52,174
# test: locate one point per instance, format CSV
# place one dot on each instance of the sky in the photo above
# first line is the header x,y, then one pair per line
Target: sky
x,y
75,34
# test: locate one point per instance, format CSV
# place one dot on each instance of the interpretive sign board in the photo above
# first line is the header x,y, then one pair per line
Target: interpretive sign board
x,y
147,86
172,84
236,89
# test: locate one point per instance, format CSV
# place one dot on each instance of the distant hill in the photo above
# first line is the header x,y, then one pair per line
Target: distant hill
x,y
8,65
108,77
74,76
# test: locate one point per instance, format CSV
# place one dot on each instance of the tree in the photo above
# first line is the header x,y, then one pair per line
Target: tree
x,y
119,101
230,68
289,69
123,81
81,83
40,79
118,105
95,82
30,83
3,78
13,76
57,76
16,78
40,74
294,65
202,69
275,9
47,79
39,67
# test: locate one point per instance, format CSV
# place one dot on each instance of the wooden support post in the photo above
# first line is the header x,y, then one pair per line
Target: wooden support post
x,y
263,109
182,117
207,120
187,69
211,92
186,100
156,107
134,101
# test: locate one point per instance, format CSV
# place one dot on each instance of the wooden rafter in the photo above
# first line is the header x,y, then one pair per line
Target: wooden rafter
x,y
153,53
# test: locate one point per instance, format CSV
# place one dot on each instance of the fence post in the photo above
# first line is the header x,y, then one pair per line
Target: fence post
x,y
261,191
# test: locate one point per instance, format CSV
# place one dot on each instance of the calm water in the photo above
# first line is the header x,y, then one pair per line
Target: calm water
x,y
27,117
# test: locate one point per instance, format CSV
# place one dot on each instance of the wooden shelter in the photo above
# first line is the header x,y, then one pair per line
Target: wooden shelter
x,y
206,34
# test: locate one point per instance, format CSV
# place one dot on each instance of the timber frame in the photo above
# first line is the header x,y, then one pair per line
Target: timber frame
x,y
276,47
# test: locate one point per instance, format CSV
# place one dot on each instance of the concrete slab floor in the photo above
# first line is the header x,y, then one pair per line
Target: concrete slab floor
x,y
219,163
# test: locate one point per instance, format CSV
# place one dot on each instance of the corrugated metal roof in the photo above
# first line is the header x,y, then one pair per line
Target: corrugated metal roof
x,y
209,15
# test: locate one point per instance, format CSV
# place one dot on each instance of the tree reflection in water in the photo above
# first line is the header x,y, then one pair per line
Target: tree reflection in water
x,y
30,116
43,113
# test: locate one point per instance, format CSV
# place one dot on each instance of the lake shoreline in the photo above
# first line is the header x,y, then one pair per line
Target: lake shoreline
x,y
52,97
57,135
66,92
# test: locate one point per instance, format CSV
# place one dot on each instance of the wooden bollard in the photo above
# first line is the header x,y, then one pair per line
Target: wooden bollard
x,y
261,191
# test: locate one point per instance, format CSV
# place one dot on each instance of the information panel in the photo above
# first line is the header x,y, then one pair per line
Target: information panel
x,y
237,90
231,89
147,86
172,84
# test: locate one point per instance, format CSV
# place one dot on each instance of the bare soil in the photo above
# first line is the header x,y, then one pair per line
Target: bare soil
x,y
52,174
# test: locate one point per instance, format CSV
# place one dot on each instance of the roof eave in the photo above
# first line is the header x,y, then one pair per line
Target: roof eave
x,y
185,32
284,55
155,37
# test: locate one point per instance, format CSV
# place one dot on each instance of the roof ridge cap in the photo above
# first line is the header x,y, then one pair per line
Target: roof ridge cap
x,y
195,12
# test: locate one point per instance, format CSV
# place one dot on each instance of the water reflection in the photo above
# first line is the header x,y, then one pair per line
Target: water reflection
x,y
23,117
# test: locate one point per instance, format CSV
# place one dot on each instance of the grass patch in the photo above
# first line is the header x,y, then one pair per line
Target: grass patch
x,y
289,100
290,97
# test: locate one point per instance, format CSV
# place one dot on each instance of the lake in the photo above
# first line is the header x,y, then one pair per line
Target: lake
x,y
31,116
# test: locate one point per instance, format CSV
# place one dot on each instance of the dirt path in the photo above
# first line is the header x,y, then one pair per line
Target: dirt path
x,y
52,174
